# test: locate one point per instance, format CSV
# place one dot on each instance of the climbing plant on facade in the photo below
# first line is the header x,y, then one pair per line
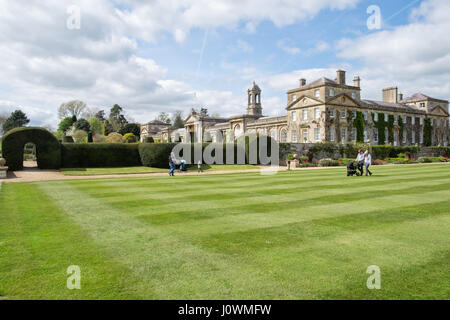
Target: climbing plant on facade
x,y
390,126
381,127
359,125
427,132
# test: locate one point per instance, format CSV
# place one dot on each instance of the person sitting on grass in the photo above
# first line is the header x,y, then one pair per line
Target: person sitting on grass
x,y
367,162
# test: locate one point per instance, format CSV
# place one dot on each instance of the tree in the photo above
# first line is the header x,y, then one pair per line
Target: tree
x,y
133,128
65,124
204,112
107,128
101,116
80,136
72,108
83,124
16,119
164,117
3,118
177,120
116,118
96,125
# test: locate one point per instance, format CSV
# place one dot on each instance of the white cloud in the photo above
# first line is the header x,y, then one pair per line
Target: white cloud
x,y
44,63
416,56
147,20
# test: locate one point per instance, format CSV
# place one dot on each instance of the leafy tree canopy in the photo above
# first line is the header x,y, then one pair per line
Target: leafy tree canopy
x,y
177,120
96,125
133,128
117,118
75,108
16,119
164,117
83,124
65,124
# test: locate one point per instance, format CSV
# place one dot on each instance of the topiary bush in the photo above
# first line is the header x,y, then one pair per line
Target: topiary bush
x,y
114,137
99,155
155,154
48,148
129,138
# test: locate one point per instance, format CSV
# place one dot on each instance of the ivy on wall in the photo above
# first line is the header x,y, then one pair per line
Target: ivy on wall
x,y
390,126
427,132
381,125
401,128
359,125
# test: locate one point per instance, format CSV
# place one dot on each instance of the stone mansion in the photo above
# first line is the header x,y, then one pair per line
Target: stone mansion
x,y
322,111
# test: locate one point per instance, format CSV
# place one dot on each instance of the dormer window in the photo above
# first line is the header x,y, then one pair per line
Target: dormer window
x,y
317,93
331,92
422,104
294,97
354,95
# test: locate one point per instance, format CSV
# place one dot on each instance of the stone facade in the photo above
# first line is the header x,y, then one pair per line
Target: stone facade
x,y
322,111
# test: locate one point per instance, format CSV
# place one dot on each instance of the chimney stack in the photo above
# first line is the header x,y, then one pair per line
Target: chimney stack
x,y
340,76
302,82
357,81
390,95
400,97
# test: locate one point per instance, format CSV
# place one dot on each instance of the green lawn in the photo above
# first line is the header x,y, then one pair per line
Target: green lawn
x,y
294,235
128,170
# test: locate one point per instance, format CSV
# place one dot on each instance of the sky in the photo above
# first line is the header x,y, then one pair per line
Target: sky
x,y
167,55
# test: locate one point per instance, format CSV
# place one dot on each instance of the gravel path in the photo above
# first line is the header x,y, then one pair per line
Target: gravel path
x,y
33,174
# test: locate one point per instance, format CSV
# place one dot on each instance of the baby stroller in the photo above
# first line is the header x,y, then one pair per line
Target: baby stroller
x,y
183,166
351,169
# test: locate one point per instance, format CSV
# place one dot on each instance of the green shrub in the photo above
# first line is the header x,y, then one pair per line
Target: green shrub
x,y
290,156
425,160
48,148
377,162
328,163
114,137
344,161
129,138
156,154
67,139
99,155
304,159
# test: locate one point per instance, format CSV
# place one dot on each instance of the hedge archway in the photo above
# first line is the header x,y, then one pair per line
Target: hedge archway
x,y
48,148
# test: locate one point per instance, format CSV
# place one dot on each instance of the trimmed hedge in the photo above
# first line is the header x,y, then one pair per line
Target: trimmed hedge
x,y
48,148
155,154
99,155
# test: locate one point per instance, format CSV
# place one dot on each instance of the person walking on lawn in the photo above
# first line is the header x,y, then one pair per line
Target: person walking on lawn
x,y
360,162
367,162
199,166
172,166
